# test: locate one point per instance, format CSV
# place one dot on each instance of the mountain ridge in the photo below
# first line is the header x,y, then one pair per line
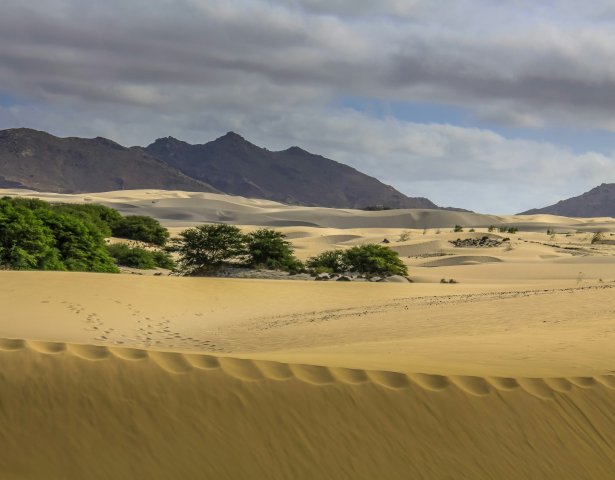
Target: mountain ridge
x,y
230,164
236,166
40,161
597,202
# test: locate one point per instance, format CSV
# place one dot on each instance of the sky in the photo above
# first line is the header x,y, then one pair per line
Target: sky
x,y
492,106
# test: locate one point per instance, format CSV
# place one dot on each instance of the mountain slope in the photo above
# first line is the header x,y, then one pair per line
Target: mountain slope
x,y
236,166
598,202
40,161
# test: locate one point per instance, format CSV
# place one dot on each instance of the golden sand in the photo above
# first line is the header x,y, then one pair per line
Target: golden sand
x,y
508,374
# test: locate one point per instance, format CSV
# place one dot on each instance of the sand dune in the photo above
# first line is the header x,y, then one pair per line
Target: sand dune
x,y
146,414
507,374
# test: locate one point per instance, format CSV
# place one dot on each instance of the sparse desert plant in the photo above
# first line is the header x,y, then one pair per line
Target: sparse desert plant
x,y
597,237
424,231
471,230
450,280
458,228
491,228
404,236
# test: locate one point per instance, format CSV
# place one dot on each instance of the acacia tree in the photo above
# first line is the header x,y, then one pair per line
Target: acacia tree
x,y
370,259
206,248
375,259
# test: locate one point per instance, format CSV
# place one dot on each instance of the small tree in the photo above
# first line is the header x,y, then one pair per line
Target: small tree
x,y
208,247
269,248
375,259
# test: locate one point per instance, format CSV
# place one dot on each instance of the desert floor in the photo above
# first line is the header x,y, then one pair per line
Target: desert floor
x,y
507,374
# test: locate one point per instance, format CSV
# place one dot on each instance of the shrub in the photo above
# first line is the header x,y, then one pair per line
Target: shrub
x,y
105,219
138,257
25,241
206,248
141,228
270,249
458,228
405,236
375,259
162,259
128,256
330,261
80,243
33,235
597,237
491,228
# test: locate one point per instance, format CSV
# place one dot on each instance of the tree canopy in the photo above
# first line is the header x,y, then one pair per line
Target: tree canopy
x,y
370,259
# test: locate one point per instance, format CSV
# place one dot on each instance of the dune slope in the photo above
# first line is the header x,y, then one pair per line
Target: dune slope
x,y
95,413
110,376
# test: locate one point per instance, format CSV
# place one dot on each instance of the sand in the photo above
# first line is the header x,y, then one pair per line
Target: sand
x,y
509,373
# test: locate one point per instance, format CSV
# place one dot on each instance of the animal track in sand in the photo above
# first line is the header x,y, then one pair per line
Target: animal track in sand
x,y
270,322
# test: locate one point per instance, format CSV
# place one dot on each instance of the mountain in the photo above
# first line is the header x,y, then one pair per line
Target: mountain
x,y
598,202
40,161
235,166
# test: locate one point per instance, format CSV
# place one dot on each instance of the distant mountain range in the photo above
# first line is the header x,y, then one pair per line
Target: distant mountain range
x,y
598,202
40,161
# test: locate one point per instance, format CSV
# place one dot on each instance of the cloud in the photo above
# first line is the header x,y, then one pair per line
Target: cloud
x,y
274,71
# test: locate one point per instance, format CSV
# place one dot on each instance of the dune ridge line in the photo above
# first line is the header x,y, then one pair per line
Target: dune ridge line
x,y
249,370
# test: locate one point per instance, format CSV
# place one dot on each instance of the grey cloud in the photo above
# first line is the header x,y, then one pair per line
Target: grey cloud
x,y
194,69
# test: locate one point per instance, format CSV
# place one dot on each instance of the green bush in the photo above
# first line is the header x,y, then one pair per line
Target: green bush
x,y
138,257
162,259
104,218
373,259
34,235
458,228
80,244
25,241
141,228
330,261
269,249
206,248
